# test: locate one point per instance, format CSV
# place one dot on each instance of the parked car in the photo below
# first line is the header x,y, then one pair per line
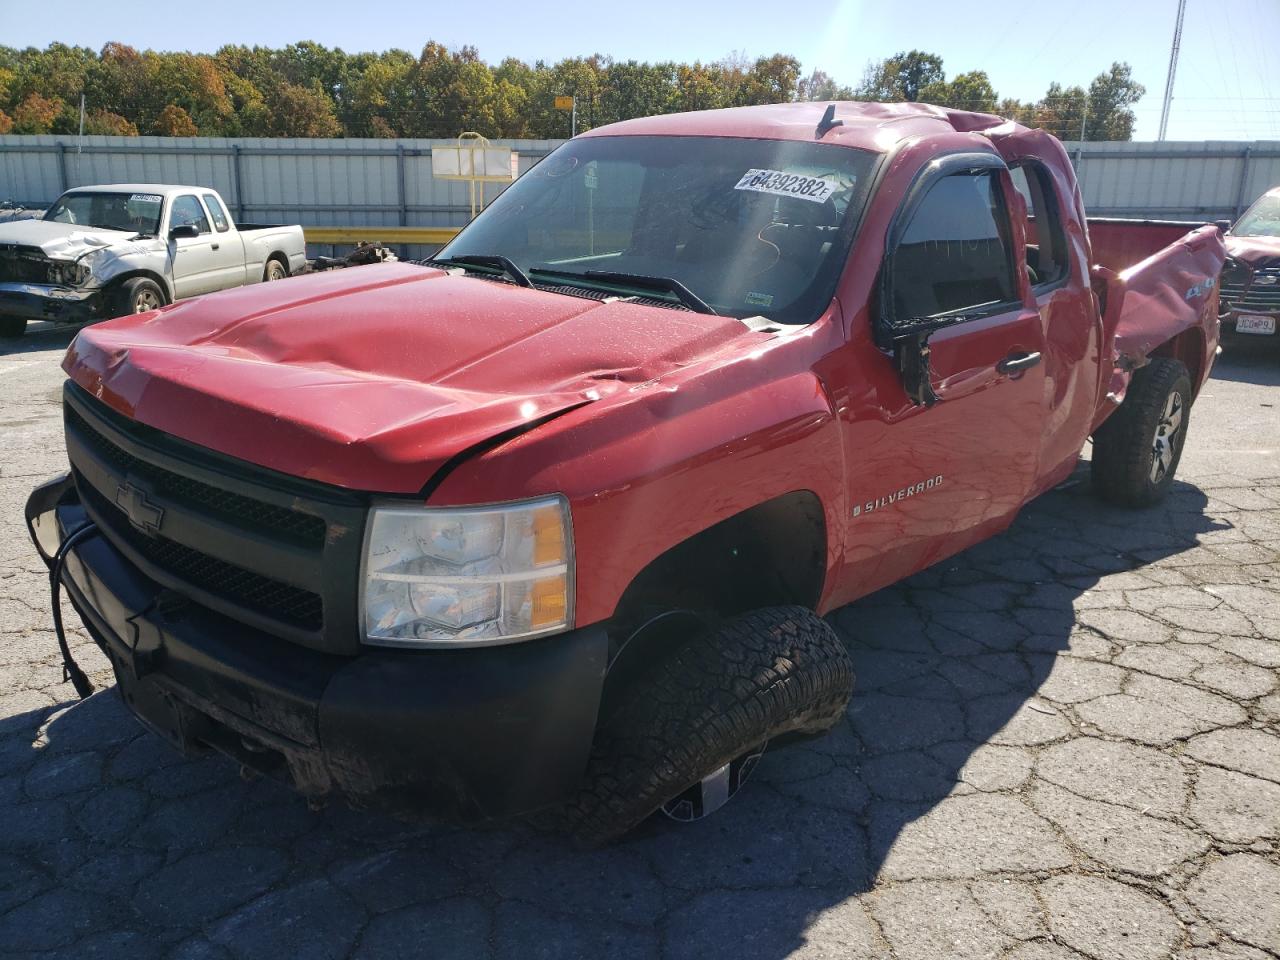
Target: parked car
x,y
549,522
104,251
1251,280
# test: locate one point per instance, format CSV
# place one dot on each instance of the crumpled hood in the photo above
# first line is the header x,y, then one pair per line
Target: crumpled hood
x,y
61,241
372,377
1257,252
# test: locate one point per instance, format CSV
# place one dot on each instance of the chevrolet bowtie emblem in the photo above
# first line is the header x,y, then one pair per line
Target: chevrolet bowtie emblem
x,y
142,513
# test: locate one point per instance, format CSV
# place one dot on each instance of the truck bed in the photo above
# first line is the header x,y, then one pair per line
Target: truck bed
x,y
1120,243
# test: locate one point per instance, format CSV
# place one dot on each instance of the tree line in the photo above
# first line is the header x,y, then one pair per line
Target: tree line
x,y
309,90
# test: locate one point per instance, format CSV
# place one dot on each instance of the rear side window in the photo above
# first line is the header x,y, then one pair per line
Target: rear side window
x,y
220,222
187,209
1046,240
954,255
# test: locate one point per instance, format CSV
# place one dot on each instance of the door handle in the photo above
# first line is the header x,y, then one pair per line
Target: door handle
x,y
214,245
1016,362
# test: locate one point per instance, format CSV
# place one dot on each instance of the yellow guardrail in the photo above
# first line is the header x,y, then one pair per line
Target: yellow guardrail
x,y
425,235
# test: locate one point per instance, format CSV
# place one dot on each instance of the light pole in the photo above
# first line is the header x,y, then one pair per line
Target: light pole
x,y
1173,69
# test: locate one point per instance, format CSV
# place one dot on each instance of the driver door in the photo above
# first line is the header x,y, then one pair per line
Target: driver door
x,y
195,261
930,480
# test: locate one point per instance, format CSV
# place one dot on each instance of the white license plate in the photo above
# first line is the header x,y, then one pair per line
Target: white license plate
x,y
1252,323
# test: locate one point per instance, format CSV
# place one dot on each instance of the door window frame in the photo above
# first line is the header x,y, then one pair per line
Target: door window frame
x,y
974,163
216,213
1032,166
207,220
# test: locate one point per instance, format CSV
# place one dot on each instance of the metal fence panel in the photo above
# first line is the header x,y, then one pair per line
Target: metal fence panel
x,y
365,182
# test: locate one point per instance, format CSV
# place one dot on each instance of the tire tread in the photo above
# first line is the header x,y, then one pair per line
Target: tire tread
x,y
765,673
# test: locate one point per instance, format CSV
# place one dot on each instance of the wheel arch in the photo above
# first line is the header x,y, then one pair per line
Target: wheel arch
x,y
280,257
115,283
1189,349
771,554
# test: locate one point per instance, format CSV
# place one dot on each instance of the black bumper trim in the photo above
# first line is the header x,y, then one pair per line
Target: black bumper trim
x,y
468,734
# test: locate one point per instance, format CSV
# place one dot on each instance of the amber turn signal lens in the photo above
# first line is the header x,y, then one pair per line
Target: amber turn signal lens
x,y
549,600
548,537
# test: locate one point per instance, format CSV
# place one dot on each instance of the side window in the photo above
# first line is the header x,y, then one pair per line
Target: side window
x,y
1046,240
187,209
954,254
220,222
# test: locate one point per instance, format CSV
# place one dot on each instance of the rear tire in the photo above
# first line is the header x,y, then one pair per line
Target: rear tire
x,y
1137,449
11,327
708,709
137,295
275,270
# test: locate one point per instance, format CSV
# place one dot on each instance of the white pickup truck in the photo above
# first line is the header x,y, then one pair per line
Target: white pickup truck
x,y
104,251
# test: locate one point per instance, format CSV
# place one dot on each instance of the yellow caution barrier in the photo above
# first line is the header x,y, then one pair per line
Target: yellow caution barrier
x,y
423,235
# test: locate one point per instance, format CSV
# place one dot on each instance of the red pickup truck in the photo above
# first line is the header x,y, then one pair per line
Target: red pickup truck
x,y
549,522
1250,295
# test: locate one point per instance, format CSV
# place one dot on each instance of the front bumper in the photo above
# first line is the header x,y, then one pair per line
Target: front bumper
x,y
42,301
468,734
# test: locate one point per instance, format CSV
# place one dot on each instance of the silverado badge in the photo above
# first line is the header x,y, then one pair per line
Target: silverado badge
x,y
910,491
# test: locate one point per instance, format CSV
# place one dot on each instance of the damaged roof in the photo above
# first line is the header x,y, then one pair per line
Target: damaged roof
x,y
868,126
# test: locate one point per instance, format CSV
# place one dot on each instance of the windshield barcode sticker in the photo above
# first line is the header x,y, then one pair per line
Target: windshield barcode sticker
x,y
783,184
145,198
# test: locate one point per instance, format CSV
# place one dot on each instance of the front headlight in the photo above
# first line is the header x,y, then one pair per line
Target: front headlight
x,y
67,273
467,575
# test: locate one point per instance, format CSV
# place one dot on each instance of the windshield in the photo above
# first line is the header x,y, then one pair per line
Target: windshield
x,y
130,212
1262,219
749,227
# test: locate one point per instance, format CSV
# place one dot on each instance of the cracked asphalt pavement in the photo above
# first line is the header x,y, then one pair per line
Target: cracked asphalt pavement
x,y
1064,743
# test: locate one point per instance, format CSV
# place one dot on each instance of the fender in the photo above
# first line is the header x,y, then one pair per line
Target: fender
x,y
665,461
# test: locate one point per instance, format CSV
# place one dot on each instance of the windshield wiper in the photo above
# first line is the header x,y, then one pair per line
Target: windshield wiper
x,y
638,281
488,260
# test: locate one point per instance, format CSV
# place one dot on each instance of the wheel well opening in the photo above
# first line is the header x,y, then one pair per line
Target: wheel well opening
x,y
772,554
1188,349
113,285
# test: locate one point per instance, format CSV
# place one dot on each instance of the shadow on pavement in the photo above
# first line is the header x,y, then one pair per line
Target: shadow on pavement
x,y
113,842
40,335
1247,359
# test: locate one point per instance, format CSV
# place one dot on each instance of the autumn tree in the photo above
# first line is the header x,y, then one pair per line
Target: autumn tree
x,y
1111,98
900,77
36,114
309,89
175,122
108,124
967,91
298,111
820,85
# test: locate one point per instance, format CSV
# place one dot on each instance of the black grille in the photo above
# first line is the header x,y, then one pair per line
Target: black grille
x,y
279,553
22,264
294,526
293,605
1242,289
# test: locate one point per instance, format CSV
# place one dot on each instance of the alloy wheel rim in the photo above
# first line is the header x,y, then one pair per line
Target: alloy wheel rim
x,y
715,789
145,300
1168,435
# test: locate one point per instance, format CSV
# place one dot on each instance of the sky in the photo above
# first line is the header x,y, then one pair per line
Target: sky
x,y
1227,88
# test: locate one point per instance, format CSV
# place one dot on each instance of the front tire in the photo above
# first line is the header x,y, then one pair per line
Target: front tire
x,y
138,295
1137,449
703,715
11,327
